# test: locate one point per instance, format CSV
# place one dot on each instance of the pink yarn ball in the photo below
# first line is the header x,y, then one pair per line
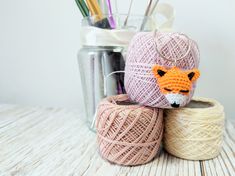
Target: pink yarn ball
x,y
143,53
128,134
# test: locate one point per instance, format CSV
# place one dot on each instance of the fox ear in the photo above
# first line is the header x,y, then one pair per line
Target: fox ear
x,y
193,75
159,71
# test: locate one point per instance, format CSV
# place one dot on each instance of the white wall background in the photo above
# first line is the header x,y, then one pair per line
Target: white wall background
x,y
39,42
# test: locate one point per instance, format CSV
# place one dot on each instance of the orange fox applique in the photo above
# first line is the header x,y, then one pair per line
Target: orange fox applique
x,y
175,83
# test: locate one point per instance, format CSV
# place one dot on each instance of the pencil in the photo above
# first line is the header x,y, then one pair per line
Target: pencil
x,y
146,15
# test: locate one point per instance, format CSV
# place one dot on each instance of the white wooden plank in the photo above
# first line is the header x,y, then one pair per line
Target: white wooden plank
x,y
147,168
12,115
93,165
218,167
134,171
88,161
77,153
230,155
154,165
191,168
222,164
227,164
176,163
25,125
181,167
124,171
185,168
164,166
197,168
202,167
232,121
22,123
170,169
208,169
71,154
35,145
140,170
106,170
230,130
229,143
5,107
160,164
49,141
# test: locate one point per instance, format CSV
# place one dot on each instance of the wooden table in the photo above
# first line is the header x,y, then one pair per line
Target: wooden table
x,y
53,141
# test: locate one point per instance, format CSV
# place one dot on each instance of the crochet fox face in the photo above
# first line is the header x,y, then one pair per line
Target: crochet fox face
x,y
174,83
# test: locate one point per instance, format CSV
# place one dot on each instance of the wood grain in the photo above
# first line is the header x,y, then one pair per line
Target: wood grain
x,y
55,141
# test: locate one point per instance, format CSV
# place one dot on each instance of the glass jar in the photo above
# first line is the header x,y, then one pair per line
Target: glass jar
x,y
102,58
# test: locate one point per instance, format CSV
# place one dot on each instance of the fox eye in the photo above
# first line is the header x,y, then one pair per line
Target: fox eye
x,y
191,75
184,91
161,72
167,89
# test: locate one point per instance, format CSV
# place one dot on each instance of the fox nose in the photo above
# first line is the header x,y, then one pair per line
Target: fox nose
x,y
175,105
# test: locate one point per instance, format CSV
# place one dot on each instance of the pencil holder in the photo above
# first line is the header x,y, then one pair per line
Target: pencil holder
x,y
194,132
128,134
161,69
102,53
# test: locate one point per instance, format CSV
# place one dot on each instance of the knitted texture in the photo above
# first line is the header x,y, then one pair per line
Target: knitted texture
x,y
128,134
174,83
196,131
145,51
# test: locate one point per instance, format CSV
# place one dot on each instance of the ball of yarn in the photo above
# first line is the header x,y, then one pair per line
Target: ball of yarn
x,y
128,134
147,50
195,132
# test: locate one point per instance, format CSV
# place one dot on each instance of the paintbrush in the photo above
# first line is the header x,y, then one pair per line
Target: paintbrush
x,y
99,20
95,9
106,8
146,14
82,7
153,8
103,6
128,14
111,20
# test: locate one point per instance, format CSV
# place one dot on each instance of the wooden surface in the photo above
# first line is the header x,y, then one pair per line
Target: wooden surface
x,y
49,141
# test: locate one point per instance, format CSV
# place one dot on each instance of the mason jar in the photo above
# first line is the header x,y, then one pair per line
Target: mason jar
x,y
101,58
